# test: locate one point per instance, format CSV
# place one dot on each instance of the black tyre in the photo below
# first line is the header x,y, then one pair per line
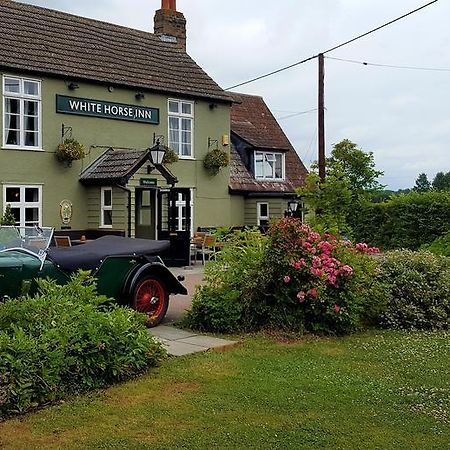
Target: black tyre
x,y
151,297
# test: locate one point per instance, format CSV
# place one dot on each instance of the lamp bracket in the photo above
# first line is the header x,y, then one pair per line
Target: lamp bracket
x,y
66,132
213,144
158,138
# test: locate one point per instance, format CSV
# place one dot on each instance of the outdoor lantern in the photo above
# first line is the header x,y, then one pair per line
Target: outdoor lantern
x,y
292,206
157,153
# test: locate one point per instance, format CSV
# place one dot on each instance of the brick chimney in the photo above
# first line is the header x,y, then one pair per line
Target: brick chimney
x,y
169,23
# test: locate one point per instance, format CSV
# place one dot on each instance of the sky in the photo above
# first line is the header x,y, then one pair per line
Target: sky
x,y
400,115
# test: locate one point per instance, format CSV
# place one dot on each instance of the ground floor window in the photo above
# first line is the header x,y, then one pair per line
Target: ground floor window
x,y
262,214
25,202
106,208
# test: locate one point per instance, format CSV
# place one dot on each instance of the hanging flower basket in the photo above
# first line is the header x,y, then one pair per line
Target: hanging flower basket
x,y
170,156
70,150
215,160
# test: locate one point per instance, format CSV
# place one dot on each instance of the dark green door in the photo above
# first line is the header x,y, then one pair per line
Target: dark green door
x,y
145,213
174,223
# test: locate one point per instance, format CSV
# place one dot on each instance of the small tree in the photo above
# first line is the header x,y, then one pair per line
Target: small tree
x,y
8,217
422,183
441,181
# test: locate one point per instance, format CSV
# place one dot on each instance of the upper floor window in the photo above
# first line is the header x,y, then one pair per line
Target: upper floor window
x,y
181,127
269,166
21,113
25,202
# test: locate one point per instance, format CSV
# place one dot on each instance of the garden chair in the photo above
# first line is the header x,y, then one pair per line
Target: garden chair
x,y
208,248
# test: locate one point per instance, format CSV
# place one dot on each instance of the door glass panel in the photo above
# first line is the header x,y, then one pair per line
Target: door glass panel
x,y
164,211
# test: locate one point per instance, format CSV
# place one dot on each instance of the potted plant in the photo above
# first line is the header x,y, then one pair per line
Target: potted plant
x,y
70,150
170,156
8,217
215,160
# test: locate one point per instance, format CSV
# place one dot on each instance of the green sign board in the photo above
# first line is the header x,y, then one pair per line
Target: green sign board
x,y
148,182
106,110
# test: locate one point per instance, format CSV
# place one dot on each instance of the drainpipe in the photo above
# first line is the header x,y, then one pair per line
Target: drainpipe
x,y
128,191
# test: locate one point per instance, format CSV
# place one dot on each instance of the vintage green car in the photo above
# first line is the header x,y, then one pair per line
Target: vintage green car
x,y
128,270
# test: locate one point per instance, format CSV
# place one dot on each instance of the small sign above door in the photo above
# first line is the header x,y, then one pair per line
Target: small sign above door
x,y
106,110
148,182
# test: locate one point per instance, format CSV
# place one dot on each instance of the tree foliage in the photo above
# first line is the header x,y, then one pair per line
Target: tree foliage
x,y
422,183
441,181
8,217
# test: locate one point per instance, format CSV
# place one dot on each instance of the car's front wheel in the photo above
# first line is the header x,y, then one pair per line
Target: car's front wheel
x,y
151,297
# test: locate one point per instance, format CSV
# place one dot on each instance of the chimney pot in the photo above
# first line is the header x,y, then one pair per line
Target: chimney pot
x,y
169,4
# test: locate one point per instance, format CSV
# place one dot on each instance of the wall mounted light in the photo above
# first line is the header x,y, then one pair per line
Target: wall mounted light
x,y
140,96
110,88
157,153
72,86
212,106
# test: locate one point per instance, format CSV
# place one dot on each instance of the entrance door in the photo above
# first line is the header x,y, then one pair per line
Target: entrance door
x,y
145,213
174,223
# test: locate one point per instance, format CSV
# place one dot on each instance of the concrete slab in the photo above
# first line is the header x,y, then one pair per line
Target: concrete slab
x,y
207,341
180,342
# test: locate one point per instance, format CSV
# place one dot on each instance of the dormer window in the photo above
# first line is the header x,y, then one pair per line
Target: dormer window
x,y
269,166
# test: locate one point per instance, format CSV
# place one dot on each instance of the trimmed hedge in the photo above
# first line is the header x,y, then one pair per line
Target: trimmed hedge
x,y
65,341
404,221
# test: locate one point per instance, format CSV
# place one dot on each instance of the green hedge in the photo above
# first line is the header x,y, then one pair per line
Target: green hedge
x,y
65,341
419,290
404,221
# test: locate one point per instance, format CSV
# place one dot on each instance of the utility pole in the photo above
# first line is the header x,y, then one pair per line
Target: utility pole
x,y
321,122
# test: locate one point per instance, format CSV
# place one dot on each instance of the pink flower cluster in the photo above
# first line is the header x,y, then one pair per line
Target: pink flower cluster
x,y
364,248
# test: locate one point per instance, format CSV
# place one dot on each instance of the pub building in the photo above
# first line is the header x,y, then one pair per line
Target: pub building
x,y
127,96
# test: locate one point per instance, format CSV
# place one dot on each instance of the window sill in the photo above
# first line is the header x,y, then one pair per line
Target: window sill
x,y
105,226
23,149
272,180
186,158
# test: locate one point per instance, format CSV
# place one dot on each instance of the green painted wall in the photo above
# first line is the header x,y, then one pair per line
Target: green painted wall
x,y
277,206
213,206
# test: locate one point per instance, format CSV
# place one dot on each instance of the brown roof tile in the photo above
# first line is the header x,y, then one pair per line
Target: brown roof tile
x,y
114,166
47,41
253,122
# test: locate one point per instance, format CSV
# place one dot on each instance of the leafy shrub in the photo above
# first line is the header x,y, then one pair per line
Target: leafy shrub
x,y
295,280
231,283
404,221
8,217
440,246
419,290
68,340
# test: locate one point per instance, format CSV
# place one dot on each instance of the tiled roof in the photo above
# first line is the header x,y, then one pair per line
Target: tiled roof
x,y
252,121
114,166
51,42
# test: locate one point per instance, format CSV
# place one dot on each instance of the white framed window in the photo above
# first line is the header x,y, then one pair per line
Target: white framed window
x,y
269,166
22,113
106,207
181,127
25,202
262,214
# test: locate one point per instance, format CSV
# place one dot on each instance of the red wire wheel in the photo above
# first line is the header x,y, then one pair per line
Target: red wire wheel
x,y
151,298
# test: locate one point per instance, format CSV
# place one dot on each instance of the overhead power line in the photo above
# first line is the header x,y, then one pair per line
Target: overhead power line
x,y
365,63
290,66
297,114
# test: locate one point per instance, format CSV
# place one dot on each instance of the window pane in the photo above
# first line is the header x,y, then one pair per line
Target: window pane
x,y
107,197
278,166
268,169
12,106
173,107
174,123
12,85
258,168
12,194
186,124
186,108
12,121
186,149
186,137
31,139
31,88
16,213
32,215
31,108
31,195
12,137
107,217
31,123
263,210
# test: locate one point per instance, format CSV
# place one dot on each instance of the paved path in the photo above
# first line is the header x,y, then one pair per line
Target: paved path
x,y
182,342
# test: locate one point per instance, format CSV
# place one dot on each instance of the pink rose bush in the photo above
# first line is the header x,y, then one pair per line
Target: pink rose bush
x,y
320,273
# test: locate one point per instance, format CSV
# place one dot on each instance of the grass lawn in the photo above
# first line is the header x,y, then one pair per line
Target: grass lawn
x,y
379,390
